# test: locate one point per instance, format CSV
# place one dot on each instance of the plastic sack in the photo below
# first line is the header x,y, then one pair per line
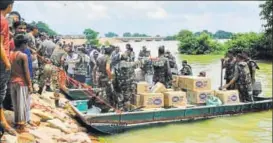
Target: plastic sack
x,y
213,101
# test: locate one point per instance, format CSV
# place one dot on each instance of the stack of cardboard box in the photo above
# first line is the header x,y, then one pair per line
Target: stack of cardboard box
x,y
159,96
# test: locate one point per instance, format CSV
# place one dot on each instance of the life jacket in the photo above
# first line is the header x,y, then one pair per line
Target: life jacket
x,y
244,77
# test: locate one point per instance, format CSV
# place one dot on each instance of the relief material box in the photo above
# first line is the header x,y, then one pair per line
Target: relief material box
x,y
228,96
198,97
137,100
158,88
175,98
195,83
182,82
142,87
152,100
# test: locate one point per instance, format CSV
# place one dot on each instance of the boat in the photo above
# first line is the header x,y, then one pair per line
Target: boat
x,y
113,123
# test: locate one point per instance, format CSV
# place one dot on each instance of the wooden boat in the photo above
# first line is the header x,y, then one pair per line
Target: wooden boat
x,y
111,123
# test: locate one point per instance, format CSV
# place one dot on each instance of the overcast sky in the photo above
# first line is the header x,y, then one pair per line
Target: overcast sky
x,y
149,17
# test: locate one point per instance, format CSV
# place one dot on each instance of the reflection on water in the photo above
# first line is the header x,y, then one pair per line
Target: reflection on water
x,y
249,128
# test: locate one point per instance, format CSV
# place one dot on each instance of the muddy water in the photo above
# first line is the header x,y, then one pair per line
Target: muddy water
x,y
249,128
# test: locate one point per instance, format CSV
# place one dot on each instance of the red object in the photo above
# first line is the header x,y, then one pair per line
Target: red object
x,y
11,45
4,28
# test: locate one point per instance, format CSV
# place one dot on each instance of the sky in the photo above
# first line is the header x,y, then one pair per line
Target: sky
x,y
149,17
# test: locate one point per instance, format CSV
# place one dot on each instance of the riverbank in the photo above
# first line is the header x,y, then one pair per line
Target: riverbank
x,y
54,125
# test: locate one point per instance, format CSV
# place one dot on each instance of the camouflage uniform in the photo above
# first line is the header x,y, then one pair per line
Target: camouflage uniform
x,y
148,69
172,63
229,65
103,83
125,80
82,66
143,54
243,81
253,66
162,71
186,70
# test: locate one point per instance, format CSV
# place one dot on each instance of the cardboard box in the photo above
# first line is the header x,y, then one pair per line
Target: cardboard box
x,y
169,89
175,98
195,83
228,96
137,100
142,87
152,100
198,97
182,81
158,88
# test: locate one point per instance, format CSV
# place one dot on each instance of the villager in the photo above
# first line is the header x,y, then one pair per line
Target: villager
x,y
5,66
21,84
130,53
186,69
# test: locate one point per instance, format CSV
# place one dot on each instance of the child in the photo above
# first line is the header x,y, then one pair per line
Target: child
x,y
21,84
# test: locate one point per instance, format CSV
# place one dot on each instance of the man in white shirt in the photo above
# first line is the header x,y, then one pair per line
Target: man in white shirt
x,y
71,59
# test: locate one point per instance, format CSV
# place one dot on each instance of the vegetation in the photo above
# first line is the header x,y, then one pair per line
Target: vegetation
x,y
91,36
111,35
128,34
43,27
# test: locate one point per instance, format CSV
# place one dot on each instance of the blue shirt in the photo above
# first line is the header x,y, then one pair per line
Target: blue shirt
x,y
29,59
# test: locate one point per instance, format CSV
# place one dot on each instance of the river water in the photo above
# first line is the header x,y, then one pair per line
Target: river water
x,y
248,128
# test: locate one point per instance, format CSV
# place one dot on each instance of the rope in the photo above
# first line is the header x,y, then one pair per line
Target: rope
x,y
63,77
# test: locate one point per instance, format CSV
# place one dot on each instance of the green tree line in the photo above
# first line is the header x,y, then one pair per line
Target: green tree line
x,y
43,27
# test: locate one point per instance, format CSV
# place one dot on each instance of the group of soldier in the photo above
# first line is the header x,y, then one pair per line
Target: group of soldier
x,y
240,74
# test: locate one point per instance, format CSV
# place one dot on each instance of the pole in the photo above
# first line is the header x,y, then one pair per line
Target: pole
x,y
221,81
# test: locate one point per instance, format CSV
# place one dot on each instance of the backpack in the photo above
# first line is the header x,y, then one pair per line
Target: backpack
x,y
244,73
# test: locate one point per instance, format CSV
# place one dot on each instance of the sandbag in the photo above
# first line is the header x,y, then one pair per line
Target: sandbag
x,y
213,101
56,123
26,138
42,114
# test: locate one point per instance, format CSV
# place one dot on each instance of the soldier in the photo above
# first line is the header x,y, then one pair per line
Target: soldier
x,y
162,70
148,69
186,69
144,53
115,58
253,66
130,53
82,65
172,62
125,80
229,65
103,78
242,79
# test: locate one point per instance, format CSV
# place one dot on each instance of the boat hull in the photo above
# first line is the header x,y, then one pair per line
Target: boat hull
x,y
111,123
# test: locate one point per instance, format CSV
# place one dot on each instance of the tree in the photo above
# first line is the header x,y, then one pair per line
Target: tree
x,y
91,36
127,34
111,35
170,38
220,34
43,27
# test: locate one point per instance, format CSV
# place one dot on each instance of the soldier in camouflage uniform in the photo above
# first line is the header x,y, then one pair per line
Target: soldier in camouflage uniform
x,y
253,66
144,53
82,66
172,62
186,69
103,79
125,80
229,65
130,53
148,69
162,70
242,79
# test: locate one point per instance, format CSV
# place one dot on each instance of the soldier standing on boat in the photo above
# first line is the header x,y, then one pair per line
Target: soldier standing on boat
x,y
125,80
103,78
162,70
229,65
81,66
144,53
148,69
242,79
186,69
115,58
253,66
130,53
172,62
